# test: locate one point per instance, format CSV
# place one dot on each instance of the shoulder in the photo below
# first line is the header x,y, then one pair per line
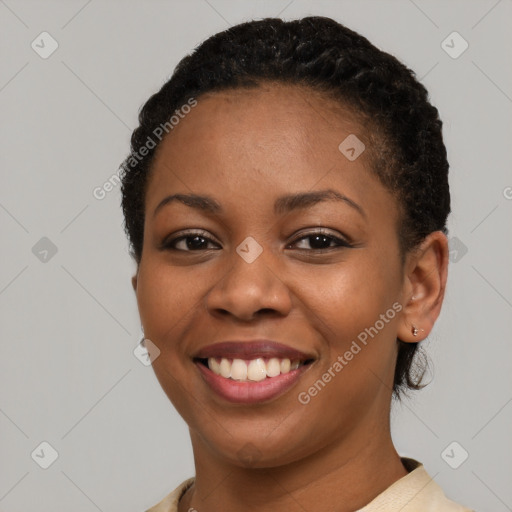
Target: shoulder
x,y
170,502
415,492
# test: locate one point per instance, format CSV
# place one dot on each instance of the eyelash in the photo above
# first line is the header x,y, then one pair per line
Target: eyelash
x,y
340,243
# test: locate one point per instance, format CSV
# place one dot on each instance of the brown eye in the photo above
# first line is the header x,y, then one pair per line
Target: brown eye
x,y
321,241
189,242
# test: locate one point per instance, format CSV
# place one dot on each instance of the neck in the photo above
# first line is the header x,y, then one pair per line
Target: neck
x,y
344,475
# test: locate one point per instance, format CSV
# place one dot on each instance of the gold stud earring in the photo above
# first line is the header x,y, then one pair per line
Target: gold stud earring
x,y
414,330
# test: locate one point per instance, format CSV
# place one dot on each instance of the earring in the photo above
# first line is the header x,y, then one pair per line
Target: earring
x,y
414,330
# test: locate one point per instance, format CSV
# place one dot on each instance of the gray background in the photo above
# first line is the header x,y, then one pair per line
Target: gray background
x,y
69,320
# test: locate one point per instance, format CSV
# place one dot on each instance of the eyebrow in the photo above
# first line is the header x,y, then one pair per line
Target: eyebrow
x,y
282,205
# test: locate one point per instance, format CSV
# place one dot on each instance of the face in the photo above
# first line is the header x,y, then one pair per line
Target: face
x,y
318,275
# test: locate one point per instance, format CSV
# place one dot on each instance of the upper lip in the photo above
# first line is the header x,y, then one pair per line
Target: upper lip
x,y
251,349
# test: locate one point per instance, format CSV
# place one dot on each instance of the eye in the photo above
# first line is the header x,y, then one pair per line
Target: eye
x,y
190,242
320,240
195,241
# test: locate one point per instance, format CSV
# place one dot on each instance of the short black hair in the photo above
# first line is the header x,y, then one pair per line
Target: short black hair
x,y
404,130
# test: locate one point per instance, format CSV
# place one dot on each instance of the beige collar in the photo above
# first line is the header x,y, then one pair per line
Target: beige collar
x,y
415,492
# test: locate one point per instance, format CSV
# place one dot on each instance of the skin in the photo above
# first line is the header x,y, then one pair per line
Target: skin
x,y
245,148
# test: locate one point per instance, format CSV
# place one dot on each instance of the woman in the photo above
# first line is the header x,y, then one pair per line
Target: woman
x,y
285,199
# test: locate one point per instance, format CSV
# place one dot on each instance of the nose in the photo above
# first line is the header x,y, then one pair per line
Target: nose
x,y
247,290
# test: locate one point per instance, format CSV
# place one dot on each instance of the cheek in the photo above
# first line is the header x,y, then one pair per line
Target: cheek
x,y
357,366
354,313
350,296
166,299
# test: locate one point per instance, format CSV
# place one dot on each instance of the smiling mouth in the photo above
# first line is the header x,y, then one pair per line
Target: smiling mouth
x,y
251,370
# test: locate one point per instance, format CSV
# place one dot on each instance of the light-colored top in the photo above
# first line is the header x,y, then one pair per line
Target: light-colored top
x,y
415,492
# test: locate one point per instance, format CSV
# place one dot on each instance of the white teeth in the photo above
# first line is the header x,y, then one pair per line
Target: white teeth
x,y
273,367
214,365
225,368
238,370
256,370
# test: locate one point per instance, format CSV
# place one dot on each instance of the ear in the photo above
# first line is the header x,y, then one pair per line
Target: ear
x,y
134,282
426,273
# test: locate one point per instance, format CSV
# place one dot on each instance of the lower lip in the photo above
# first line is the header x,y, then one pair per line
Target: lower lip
x,y
251,392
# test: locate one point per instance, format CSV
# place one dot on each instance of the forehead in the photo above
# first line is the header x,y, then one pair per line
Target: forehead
x,y
245,144
269,114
